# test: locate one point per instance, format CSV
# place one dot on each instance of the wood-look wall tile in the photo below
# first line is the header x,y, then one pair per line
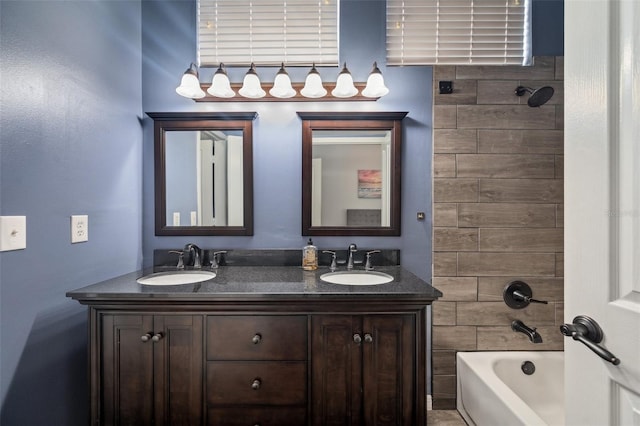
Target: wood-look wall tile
x,y
444,116
517,166
560,314
558,90
506,264
559,70
506,117
447,190
444,362
560,215
560,117
444,165
444,386
522,240
455,239
521,190
497,338
498,313
440,406
550,289
445,214
457,288
445,264
521,141
559,166
506,215
455,141
444,72
559,264
464,92
543,69
443,313
459,338
498,92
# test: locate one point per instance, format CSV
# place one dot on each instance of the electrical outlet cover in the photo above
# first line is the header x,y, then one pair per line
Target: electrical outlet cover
x,y
13,233
79,228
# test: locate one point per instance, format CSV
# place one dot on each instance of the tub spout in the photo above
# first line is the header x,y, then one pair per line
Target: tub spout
x,y
520,327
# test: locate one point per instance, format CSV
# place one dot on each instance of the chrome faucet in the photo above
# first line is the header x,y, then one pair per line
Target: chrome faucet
x,y
368,266
352,249
193,252
519,327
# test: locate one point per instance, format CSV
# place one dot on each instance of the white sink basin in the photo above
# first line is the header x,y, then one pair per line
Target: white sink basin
x,y
176,277
356,277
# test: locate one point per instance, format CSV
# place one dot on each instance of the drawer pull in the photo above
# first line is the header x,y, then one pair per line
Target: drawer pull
x,y
257,338
146,337
368,338
357,338
157,337
256,384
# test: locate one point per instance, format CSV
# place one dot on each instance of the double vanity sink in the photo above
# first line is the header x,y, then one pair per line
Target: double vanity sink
x,y
197,276
259,343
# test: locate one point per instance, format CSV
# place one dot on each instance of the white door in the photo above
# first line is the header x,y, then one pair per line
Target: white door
x,y
602,207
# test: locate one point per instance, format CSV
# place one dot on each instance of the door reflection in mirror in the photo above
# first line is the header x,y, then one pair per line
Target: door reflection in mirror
x,y
204,178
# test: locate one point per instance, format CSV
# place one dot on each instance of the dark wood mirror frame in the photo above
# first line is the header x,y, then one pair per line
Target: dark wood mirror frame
x,y
185,121
390,121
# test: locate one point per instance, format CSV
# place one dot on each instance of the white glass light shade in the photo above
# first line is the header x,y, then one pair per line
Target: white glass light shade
x,y
251,85
344,85
313,85
375,87
282,85
220,85
190,84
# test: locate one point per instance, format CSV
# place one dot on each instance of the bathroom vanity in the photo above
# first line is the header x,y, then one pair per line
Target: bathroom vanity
x,y
258,345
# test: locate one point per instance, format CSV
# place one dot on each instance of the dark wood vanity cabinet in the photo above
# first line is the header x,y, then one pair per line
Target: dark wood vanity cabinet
x,y
150,370
363,370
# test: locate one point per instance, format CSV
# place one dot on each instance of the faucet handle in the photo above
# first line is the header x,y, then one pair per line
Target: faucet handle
x,y
333,265
180,254
368,266
213,260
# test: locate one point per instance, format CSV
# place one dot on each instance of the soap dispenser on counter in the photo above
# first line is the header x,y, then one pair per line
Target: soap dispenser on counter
x,y
310,256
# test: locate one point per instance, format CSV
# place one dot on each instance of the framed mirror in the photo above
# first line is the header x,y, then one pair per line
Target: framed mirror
x,y
351,168
203,173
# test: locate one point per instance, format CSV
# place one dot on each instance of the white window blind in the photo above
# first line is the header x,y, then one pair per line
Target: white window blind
x,y
458,32
268,32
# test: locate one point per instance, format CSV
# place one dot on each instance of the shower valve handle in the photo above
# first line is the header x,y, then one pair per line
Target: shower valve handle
x,y
588,332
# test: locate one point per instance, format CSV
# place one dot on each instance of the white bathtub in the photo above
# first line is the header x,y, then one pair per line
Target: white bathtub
x,y
493,390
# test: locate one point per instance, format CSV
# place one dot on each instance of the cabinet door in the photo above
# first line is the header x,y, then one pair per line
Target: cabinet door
x,y
388,353
336,374
178,370
127,370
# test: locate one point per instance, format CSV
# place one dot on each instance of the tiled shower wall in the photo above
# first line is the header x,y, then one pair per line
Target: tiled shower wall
x,y
497,212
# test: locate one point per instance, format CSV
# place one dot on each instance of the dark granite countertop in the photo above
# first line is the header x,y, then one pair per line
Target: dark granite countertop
x,y
257,283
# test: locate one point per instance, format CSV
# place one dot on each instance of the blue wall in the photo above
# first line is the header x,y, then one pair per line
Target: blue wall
x,y
71,143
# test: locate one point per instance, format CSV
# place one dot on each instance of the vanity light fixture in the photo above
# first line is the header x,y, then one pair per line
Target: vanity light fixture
x,y
313,85
251,87
220,84
344,85
190,84
282,85
221,89
375,84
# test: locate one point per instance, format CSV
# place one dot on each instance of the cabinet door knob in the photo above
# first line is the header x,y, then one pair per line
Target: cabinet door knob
x,y
257,338
146,337
368,338
156,337
256,384
357,338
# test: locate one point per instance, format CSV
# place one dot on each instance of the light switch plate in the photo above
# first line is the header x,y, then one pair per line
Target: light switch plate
x,y
13,233
79,228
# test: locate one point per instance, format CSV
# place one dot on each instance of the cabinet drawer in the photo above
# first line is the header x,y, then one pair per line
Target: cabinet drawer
x,y
257,338
251,416
278,383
